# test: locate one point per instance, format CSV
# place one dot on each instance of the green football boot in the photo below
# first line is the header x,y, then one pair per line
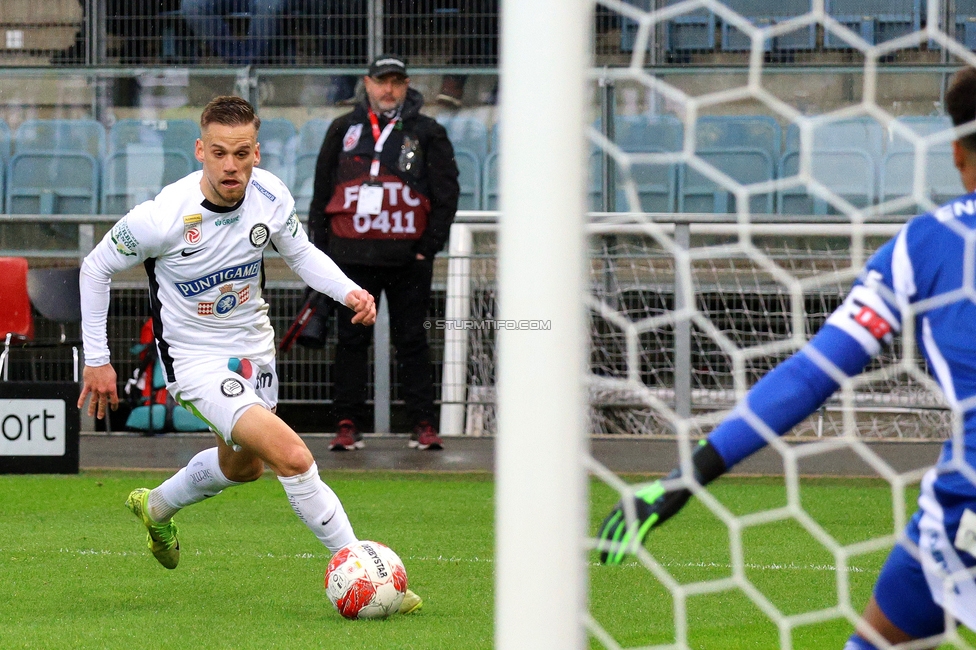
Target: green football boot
x,y
162,540
411,603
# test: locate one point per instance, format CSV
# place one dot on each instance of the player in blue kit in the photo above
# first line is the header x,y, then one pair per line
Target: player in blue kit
x,y
926,273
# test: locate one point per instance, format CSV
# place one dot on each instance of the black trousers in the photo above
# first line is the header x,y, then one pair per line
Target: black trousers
x,y
408,294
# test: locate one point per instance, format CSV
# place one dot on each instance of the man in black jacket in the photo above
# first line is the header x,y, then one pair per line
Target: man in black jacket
x,y
386,190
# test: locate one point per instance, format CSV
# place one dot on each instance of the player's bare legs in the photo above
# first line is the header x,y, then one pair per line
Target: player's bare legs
x,y
266,437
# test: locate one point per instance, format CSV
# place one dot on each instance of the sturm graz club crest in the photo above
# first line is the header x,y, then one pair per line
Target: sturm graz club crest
x,y
259,235
231,387
226,303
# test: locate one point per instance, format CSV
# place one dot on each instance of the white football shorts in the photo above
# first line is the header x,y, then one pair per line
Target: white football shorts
x,y
219,391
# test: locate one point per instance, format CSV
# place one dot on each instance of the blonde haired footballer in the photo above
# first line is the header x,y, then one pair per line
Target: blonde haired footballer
x,y
202,241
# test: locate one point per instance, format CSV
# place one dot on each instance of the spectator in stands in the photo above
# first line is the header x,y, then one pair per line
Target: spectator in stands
x,y
207,19
386,190
474,24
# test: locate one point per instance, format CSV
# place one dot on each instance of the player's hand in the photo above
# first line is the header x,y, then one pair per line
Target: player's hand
x,y
653,505
361,302
100,382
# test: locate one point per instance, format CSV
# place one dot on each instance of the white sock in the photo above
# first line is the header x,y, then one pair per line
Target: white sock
x,y
318,506
199,480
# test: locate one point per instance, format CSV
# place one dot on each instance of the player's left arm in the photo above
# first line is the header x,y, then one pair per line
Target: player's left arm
x,y
783,398
319,271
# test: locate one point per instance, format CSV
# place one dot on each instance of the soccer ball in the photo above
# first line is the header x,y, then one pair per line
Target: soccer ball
x,y
366,580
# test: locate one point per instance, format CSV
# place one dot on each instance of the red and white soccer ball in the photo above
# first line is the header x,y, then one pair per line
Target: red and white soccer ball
x,y
366,580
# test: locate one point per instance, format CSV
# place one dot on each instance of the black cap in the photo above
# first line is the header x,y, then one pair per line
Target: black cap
x,y
386,64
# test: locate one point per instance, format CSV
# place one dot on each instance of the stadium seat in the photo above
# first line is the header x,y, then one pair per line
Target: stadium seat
x,y
489,181
466,133
647,133
74,136
494,137
922,125
53,182
698,193
966,23
847,173
656,187
942,178
168,135
5,142
761,13
303,181
469,176
279,141
688,32
862,133
311,136
136,175
56,296
16,318
876,21
738,131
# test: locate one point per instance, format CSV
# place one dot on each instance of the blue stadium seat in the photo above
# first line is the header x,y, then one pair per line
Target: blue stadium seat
x,y
168,135
132,176
303,181
876,21
469,176
656,187
311,136
920,124
466,133
864,133
77,136
5,142
489,182
52,182
688,32
762,13
738,131
898,176
279,141
698,193
847,173
646,133
966,23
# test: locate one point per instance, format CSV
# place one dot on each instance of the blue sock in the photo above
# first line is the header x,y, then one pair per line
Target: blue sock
x,y
857,643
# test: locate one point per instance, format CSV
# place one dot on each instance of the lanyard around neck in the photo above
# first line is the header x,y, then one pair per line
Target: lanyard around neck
x,y
380,140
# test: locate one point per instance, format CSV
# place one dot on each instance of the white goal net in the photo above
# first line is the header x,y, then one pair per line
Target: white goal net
x,y
723,258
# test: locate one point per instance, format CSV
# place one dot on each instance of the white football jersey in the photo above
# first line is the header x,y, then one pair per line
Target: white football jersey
x,y
205,267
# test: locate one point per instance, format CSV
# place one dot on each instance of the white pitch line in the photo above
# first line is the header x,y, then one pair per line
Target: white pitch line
x,y
792,566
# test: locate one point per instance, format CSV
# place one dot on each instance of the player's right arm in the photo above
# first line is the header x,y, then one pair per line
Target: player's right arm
x,y
133,239
783,398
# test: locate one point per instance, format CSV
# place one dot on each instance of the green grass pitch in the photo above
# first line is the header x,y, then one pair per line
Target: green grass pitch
x,y
75,572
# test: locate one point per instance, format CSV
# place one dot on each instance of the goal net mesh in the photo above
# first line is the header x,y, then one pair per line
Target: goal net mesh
x,y
686,313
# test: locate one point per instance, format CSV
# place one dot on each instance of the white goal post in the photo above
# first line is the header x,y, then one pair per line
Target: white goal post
x,y
540,487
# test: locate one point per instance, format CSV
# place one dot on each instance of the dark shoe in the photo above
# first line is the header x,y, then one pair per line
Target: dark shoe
x,y
424,436
348,438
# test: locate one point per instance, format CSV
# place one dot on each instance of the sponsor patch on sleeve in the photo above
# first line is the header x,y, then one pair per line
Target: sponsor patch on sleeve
x,y
291,225
125,243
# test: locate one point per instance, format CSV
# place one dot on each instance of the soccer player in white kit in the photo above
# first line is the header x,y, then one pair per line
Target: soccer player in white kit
x,y
202,241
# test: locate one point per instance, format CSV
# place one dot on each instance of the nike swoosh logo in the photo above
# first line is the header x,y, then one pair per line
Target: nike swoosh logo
x,y
184,252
